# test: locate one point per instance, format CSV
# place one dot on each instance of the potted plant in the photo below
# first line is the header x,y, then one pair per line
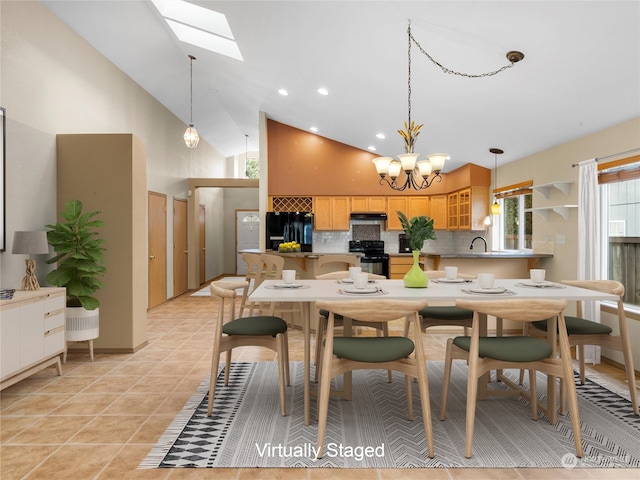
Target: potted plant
x,y
418,229
80,264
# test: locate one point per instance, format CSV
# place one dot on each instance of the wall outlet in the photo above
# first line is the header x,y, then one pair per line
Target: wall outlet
x,y
559,239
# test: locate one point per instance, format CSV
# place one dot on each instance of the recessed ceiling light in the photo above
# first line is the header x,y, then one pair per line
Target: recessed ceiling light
x,y
314,129
372,148
380,136
323,91
283,92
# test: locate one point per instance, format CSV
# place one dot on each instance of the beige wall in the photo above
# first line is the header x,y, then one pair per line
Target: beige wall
x,y
53,82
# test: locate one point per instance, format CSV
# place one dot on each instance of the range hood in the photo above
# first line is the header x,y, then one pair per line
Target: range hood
x,y
368,216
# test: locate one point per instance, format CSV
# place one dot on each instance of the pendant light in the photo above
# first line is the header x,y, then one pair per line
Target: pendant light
x,y
191,137
495,208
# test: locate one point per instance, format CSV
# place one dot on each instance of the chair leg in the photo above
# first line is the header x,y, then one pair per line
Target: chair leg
x,y
319,338
631,377
215,361
385,333
445,381
580,350
423,388
323,398
472,393
285,354
227,368
534,394
282,371
407,385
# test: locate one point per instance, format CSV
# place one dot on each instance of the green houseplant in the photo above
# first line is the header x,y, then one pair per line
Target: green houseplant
x,y
418,229
80,264
79,255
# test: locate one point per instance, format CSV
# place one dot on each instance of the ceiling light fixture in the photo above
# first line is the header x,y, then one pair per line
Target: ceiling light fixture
x,y
191,137
495,207
323,91
420,174
314,129
283,92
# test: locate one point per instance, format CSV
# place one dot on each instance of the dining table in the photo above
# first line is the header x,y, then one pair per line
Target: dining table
x,y
308,291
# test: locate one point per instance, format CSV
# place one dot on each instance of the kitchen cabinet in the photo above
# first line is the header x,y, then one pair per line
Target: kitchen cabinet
x,y
438,211
369,204
399,265
417,206
331,213
467,208
395,204
32,333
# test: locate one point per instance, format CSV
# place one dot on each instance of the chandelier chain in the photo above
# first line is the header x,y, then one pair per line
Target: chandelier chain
x,y
448,70
191,59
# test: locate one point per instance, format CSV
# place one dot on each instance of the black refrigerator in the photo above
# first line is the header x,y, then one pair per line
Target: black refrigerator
x,y
289,227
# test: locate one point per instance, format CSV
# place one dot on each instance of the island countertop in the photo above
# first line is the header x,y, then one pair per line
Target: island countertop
x,y
437,259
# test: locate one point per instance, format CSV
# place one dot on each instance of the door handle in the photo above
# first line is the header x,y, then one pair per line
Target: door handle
x,y
151,257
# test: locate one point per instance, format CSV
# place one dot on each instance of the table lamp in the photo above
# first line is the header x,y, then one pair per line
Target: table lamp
x,y
31,243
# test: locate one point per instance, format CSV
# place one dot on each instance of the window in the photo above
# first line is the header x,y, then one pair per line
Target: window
x,y
620,197
253,168
515,223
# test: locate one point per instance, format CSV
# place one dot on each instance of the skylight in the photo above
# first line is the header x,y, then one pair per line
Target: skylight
x,y
199,26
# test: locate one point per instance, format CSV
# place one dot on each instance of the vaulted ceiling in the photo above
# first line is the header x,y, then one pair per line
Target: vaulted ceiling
x,y
580,74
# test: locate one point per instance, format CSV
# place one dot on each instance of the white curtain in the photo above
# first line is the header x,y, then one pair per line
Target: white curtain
x,y
589,240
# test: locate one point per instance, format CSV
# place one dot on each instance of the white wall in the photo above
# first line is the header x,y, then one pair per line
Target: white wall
x,y
53,82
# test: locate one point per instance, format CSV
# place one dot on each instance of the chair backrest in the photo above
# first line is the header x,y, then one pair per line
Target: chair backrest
x,y
273,265
254,265
605,286
226,292
335,262
373,310
434,274
345,274
518,310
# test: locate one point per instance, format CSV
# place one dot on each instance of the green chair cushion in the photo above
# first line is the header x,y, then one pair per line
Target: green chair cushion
x,y
260,325
510,349
372,349
325,314
579,326
447,313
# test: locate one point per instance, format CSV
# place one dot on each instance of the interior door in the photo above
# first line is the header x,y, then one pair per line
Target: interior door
x,y
157,246
247,236
202,243
179,246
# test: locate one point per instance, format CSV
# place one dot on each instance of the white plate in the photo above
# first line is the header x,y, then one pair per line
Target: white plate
x,y
488,290
537,284
361,290
287,285
350,282
447,280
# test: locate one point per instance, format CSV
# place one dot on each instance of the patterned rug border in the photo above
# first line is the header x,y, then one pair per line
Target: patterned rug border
x,y
172,452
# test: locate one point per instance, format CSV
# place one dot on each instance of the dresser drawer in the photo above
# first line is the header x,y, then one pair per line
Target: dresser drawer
x,y
54,341
54,302
53,320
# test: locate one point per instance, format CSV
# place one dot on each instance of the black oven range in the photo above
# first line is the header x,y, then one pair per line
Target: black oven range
x,y
374,260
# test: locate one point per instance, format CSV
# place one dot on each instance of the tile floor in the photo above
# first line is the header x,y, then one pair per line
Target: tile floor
x,y
101,418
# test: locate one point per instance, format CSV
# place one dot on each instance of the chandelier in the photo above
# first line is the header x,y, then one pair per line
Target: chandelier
x,y
420,174
495,206
191,137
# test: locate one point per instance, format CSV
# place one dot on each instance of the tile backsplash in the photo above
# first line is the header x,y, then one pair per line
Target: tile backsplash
x,y
447,241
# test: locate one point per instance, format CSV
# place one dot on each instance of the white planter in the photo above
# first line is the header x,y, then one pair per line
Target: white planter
x,y
82,324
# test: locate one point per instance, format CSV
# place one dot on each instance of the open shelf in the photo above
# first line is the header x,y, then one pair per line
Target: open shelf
x,y
562,210
545,188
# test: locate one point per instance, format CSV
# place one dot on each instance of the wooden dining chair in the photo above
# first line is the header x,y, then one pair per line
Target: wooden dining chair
x,y
445,315
382,328
583,331
345,354
337,262
273,266
520,352
254,273
230,332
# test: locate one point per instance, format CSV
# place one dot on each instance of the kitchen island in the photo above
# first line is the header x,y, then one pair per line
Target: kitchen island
x,y
305,263
505,264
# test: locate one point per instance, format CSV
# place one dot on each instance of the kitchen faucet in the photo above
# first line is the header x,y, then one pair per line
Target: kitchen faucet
x,y
481,238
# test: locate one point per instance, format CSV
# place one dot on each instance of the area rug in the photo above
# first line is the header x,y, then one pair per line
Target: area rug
x,y
206,291
372,430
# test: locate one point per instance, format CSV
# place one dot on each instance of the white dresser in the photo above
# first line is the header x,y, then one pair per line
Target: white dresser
x,y
32,333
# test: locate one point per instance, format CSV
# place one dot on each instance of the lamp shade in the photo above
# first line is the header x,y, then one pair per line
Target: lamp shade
x,y
495,208
30,242
191,137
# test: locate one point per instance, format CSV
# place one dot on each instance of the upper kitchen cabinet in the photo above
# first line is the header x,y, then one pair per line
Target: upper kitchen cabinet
x,y
331,213
417,206
369,204
438,211
395,204
467,208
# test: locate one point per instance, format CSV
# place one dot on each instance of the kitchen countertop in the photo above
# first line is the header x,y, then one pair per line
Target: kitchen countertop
x,y
297,254
494,254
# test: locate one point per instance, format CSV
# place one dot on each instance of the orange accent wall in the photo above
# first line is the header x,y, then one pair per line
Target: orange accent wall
x,y
303,163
